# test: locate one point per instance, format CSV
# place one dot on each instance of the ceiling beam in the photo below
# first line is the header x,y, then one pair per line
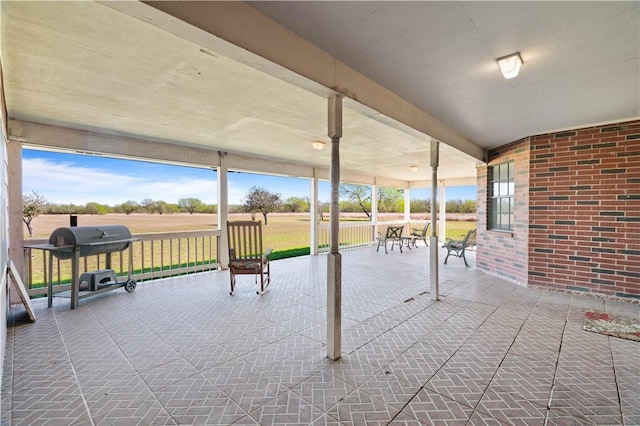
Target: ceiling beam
x,y
92,143
55,138
270,47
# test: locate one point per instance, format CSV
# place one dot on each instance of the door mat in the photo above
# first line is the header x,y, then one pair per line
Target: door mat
x,y
612,325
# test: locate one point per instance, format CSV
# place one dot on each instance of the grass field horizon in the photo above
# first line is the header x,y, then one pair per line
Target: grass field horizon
x,y
283,231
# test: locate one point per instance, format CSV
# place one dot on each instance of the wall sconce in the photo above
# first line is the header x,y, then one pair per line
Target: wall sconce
x,y
413,168
317,145
510,65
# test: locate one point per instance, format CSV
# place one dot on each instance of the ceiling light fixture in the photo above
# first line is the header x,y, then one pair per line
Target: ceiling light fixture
x,y
510,65
317,145
413,168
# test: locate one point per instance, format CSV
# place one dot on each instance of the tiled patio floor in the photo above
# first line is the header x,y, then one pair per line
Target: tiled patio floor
x,y
182,351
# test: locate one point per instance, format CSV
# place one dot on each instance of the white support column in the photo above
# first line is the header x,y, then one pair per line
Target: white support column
x,y
314,212
14,193
223,211
334,259
374,208
407,206
443,211
433,241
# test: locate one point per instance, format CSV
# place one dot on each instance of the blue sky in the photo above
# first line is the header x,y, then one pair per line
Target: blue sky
x,y
78,179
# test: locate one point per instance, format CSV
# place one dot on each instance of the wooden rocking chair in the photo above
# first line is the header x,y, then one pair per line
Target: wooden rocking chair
x,y
245,253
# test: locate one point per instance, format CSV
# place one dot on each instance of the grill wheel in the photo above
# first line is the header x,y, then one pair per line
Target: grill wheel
x,y
130,285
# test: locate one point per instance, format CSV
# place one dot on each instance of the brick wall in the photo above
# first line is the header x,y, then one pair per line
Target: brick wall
x,y
505,254
584,231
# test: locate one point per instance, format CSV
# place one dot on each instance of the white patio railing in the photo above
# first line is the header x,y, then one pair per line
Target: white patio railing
x,y
360,234
167,254
154,255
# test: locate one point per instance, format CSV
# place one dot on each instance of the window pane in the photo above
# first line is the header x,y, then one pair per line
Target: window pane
x,y
502,190
495,189
504,171
504,206
494,212
495,173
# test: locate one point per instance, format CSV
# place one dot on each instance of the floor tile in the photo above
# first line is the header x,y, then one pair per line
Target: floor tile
x,y
459,388
244,384
324,390
488,353
514,406
359,408
286,369
209,358
287,409
126,401
393,386
432,408
195,400
596,405
351,369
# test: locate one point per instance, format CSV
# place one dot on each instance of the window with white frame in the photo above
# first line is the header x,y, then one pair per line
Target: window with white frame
x,y
501,195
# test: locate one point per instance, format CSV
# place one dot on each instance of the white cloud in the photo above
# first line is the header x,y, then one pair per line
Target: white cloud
x,y
64,183
111,183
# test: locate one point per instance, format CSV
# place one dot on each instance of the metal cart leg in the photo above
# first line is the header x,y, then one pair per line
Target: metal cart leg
x,y
50,282
75,284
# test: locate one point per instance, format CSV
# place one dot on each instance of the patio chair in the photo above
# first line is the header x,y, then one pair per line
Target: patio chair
x,y
458,247
421,233
246,256
394,234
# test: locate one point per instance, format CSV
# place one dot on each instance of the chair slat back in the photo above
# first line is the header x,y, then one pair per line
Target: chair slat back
x,y
394,231
470,238
426,227
245,239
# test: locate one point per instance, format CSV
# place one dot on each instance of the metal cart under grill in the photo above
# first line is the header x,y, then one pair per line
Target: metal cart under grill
x,y
80,241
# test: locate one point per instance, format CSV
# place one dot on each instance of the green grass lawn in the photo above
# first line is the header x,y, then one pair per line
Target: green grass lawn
x,y
456,230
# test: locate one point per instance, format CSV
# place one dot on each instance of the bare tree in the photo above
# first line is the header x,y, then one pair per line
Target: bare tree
x,y
149,205
388,198
261,200
32,206
360,194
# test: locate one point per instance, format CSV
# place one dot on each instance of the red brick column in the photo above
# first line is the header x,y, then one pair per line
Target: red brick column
x,y
584,232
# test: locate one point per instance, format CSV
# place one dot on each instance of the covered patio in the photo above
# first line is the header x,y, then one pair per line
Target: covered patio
x,y
237,86
182,351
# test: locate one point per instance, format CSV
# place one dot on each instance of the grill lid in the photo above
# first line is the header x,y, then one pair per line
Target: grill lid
x,y
91,239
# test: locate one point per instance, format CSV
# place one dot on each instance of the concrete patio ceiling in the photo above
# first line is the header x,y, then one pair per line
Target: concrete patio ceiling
x,y
156,72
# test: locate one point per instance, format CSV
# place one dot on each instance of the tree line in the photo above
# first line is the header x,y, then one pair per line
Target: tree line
x,y
147,205
354,199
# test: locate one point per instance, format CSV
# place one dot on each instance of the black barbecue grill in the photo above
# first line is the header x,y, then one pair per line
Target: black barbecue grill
x,y
91,240
81,241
